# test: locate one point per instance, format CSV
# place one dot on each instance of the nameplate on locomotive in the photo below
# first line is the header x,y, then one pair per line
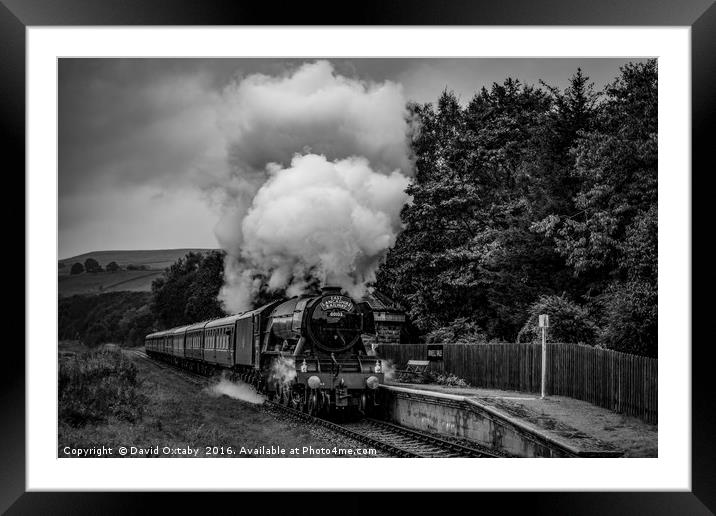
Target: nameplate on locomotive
x,y
336,303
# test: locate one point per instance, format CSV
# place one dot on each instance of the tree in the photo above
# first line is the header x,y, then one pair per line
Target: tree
x,y
468,255
616,166
187,291
92,265
77,268
119,317
612,234
569,322
523,195
112,267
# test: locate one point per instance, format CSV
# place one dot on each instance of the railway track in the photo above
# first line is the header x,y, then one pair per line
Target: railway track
x,y
190,377
394,440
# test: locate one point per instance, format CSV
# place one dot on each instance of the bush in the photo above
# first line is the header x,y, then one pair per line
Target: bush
x,y
94,386
450,380
77,268
630,319
112,267
568,321
461,330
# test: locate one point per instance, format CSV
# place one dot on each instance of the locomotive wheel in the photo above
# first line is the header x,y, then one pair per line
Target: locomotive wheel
x,y
297,401
325,406
279,393
285,396
363,404
312,404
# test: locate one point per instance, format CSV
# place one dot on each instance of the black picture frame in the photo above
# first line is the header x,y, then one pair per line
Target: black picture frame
x,y
700,15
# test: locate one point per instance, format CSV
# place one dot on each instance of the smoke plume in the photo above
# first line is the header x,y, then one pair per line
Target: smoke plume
x,y
317,169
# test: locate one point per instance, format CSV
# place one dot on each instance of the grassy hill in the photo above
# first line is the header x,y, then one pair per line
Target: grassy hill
x,y
152,258
155,261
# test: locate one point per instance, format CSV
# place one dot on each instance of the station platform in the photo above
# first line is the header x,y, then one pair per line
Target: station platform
x,y
521,423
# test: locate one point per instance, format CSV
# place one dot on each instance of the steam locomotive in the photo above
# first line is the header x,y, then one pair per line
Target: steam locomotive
x,y
306,352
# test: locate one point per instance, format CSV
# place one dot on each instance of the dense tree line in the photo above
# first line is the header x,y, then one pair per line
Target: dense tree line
x,y
534,199
188,290
119,317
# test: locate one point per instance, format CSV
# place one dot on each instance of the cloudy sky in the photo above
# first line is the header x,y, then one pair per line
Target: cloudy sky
x,y
143,143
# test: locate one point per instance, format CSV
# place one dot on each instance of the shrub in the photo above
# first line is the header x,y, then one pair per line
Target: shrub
x,y
630,318
77,268
568,321
113,267
94,386
450,380
461,330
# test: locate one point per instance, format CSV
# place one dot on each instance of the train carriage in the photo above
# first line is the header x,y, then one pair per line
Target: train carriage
x,y
195,342
219,341
155,343
176,343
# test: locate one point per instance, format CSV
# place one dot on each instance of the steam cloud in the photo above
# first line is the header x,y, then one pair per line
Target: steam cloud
x,y
283,370
317,169
236,390
388,369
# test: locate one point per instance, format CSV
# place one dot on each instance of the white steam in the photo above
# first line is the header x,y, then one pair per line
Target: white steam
x,y
283,370
388,369
317,170
236,390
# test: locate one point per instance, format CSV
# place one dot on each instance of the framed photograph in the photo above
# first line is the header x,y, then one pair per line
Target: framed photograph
x,y
429,234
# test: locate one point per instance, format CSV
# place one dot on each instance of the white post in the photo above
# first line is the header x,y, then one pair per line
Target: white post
x,y
544,324
544,360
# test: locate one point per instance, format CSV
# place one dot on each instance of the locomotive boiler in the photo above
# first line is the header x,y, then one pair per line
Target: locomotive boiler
x,y
306,352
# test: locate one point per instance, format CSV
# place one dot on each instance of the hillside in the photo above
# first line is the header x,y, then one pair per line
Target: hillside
x,y
153,261
99,282
152,258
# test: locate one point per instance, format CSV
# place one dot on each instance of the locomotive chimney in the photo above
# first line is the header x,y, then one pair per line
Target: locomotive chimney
x,y
331,290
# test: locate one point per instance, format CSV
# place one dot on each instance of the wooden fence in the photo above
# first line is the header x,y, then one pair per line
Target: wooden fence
x,y
618,381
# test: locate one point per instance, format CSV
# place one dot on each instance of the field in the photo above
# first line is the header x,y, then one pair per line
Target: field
x,y
161,411
155,261
99,282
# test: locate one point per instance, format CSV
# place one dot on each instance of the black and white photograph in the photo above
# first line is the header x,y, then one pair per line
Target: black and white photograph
x,y
357,257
